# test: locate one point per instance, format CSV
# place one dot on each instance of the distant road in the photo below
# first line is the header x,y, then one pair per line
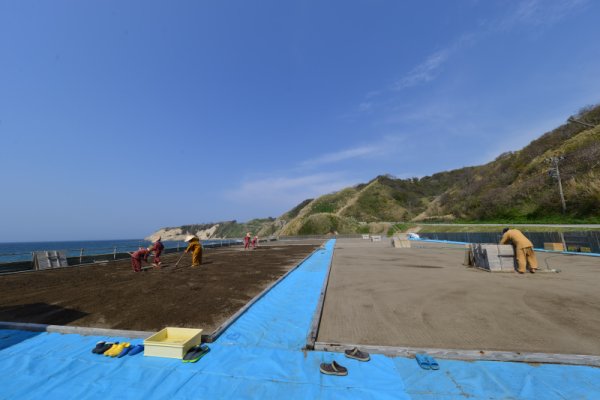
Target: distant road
x,y
592,226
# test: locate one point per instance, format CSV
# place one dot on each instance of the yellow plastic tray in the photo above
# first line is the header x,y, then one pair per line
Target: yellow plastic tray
x,y
172,342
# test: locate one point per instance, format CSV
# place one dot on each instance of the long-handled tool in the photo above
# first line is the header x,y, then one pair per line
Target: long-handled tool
x,y
177,263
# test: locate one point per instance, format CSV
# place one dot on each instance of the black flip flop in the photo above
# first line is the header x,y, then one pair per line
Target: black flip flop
x,y
104,347
196,353
99,345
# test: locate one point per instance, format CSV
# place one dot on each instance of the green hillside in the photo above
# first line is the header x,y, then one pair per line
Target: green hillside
x,y
514,188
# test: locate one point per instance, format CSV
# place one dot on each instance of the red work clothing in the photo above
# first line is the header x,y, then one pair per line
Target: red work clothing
x,y
157,248
137,257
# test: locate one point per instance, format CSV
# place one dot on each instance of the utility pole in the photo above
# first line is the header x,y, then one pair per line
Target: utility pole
x,y
555,173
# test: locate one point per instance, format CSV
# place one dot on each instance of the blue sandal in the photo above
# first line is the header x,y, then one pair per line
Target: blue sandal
x,y
423,361
433,364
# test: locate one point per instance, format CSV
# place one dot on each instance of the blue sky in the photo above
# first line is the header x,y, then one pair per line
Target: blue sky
x,y
121,117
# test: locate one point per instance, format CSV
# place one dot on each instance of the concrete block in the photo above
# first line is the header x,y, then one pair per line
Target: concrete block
x,y
493,257
554,246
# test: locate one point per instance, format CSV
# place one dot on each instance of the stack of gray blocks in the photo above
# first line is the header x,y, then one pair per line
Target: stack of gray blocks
x,y
494,257
49,259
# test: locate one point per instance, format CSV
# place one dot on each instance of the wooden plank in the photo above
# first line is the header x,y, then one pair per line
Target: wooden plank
x,y
316,320
467,355
80,330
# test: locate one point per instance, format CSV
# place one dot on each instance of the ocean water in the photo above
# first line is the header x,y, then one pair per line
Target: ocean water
x,y
21,251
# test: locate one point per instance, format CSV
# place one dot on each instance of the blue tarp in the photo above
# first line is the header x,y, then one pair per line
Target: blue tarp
x,y
260,357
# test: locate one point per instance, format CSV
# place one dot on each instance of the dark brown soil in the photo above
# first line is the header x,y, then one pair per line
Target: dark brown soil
x,y
113,296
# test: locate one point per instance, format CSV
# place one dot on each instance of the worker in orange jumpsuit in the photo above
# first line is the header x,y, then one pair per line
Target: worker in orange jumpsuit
x,y
137,257
157,248
254,242
523,249
247,239
196,248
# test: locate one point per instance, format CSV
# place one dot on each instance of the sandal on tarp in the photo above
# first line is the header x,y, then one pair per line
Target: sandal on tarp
x,y
99,345
101,349
138,348
356,354
116,349
333,369
126,349
423,361
196,353
433,364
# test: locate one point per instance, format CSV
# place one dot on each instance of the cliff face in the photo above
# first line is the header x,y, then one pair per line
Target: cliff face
x,y
515,187
220,230
179,234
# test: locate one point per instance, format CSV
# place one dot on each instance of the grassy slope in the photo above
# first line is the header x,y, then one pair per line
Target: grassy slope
x,y
514,188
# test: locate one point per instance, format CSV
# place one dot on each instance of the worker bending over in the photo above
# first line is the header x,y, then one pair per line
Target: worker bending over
x,y
196,248
523,249
157,248
137,257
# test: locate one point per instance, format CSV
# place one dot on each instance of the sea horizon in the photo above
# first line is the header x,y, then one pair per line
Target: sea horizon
x,y
22,251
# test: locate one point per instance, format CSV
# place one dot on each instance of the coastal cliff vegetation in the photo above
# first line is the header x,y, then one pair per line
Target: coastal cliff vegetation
x,y
516,187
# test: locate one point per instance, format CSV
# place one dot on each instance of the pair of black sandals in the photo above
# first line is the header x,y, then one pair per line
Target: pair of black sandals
x,y
334,368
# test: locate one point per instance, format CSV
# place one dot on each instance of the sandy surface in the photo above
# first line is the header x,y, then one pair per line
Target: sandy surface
x,y
425,297
112,296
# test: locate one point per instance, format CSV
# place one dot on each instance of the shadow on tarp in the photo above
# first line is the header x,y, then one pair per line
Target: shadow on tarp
x,y
10,338
40,313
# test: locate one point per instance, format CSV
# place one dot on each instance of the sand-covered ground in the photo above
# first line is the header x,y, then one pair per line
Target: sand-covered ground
x,y
112,296
425,297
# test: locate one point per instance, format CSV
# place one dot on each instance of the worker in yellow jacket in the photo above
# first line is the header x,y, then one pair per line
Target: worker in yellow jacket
x,y
523,249
196,248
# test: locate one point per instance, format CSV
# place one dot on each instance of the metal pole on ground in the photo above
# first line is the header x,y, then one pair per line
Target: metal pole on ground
x,y
562,239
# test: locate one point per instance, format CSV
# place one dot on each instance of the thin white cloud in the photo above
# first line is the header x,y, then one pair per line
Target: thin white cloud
x,y
284,192
530,13
539,13
424,72
388,144
365,106
342,155
429,69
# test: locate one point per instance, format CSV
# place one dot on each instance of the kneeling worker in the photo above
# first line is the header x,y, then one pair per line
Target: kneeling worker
x,y
196,248
523,249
